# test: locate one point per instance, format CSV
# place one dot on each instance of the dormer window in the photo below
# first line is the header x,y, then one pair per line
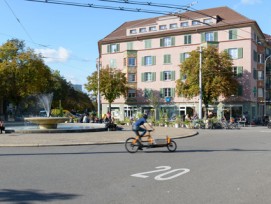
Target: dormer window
x,y
152,28
195,22
162,27
133,31
208,20
184,24
173,26
142,30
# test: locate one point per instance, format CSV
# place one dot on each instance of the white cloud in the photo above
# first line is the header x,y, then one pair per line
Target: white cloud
x,y
251,2
53,55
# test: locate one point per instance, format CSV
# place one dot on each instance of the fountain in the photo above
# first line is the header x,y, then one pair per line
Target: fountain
x,y
47,122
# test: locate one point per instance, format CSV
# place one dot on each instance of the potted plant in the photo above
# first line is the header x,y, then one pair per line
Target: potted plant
x,y
187,123
177,121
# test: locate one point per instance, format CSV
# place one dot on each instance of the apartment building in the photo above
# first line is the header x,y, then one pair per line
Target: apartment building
x,y
150,51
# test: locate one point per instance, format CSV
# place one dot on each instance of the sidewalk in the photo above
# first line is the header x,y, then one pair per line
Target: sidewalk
x,y
86,138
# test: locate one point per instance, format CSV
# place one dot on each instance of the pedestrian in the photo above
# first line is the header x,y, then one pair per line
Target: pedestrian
x,y
2,126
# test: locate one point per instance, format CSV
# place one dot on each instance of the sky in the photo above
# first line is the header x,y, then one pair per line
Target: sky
x,y
67,36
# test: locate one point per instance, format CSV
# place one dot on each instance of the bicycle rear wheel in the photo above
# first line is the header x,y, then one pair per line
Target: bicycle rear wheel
x,y
172,146
131,145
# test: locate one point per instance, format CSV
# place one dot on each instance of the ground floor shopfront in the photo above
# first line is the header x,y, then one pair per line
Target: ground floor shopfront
x,y
251,110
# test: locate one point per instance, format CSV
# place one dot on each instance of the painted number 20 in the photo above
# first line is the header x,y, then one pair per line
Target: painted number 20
x,y
161,177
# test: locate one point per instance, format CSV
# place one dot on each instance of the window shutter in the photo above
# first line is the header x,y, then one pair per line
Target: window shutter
x,y
203,39
145,93
153,60
255,56
142,77
182,57
240,90
240,53
189,39
154,76
254,73
161,42
173,75
185,39
118,48
161,76
234,34
172,41
239,71
162,93
108,49
215,36
142,61
172,91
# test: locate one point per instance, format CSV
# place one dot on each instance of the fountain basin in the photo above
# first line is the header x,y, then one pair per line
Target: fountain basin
x,y
47,123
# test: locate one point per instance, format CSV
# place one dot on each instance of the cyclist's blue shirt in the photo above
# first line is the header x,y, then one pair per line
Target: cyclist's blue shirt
x,y
140,121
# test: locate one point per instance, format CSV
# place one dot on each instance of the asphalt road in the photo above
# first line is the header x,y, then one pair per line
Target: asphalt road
x,y
216,166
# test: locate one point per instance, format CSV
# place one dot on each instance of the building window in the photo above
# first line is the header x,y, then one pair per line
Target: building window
x,y
167,92
167,59
208,21
167,41
133,31
209,36
130,45
260,92
233,34
131,77
131,93
184,56
162,27
196,22
152,28
173,25
142,30
167,75
236,53
260,75
187,39
184,24
131,61
147,44
113,63
147,93
112,48
238,71
147,76
148,60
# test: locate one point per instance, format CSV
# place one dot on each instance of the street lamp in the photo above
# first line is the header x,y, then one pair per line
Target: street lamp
x,y
200,83
264,83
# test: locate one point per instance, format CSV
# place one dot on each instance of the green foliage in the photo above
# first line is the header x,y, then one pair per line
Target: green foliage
x,y
217,76
113,84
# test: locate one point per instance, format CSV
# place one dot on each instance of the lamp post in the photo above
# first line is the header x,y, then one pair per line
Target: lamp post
x,y
200,83
264,83
98,93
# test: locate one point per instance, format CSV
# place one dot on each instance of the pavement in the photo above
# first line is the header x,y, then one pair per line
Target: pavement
x,y
86,138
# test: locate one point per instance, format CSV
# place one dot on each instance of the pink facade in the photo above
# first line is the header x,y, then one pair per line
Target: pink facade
x,y
155,56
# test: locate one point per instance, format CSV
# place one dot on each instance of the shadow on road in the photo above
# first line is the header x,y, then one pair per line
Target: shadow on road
x,y
31,196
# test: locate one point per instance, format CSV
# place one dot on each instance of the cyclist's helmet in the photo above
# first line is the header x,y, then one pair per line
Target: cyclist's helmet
x,y
145,116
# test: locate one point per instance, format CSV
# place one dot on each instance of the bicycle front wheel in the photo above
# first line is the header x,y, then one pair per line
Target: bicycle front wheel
x,y
132,145
172,146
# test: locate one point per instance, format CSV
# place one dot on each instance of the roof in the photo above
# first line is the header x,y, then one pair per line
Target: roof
x,y
228,17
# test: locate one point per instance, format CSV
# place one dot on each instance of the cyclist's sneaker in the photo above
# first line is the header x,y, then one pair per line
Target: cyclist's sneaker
x,y
140,148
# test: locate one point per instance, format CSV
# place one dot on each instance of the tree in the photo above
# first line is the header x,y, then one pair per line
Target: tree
x,y
113,84
217,76
22,72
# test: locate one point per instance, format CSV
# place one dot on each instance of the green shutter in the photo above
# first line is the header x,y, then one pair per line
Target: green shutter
x,y
172,41
255,56
118,48
153,60
108,49
239,71
142,61
215,36
185,39
161,42
173,75
161,76
182,57
240,90
142,77
154,76
162,93
254,73
240,53
203,39
189,39
172,92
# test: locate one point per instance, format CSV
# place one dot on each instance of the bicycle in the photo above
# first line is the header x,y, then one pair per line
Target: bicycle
x,y
133,144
